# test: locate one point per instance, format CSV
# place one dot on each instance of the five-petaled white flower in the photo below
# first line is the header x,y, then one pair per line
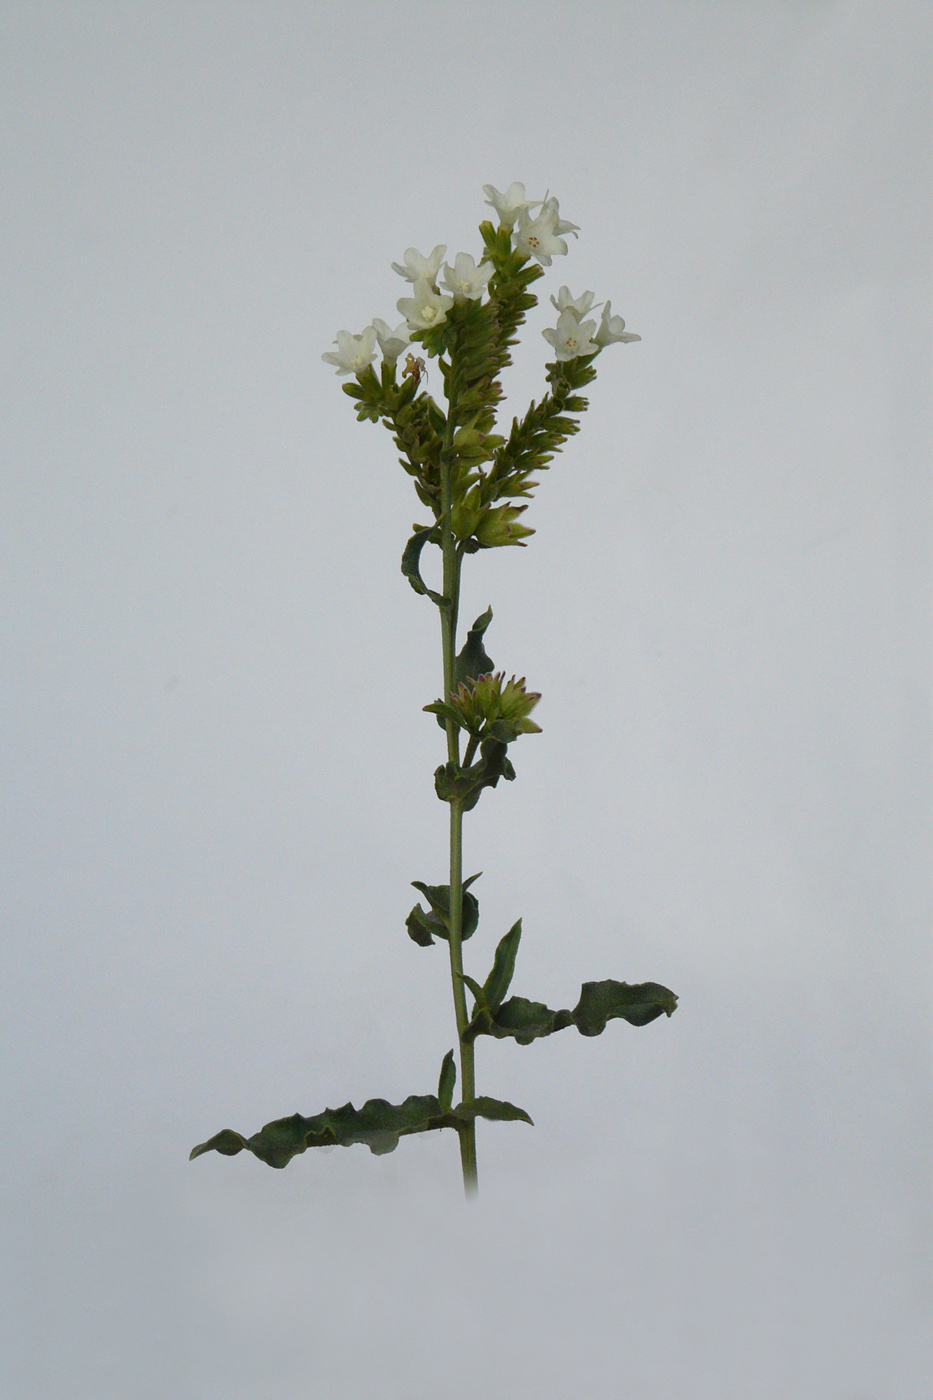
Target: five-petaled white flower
x,y
465,279
538,237
578,305
391,343
354,352
612,328
571,338
416,266
426,308
509,205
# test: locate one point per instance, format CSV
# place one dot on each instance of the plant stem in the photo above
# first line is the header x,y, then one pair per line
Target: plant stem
x,y
449,611
467,1069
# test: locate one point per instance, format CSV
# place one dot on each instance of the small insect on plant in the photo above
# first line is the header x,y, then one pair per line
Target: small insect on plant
x,y
414,369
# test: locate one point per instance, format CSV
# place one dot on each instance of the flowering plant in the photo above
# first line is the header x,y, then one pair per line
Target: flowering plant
x,y
469,479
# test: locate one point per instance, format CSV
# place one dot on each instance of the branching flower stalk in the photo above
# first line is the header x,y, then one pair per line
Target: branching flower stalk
x,y
476,484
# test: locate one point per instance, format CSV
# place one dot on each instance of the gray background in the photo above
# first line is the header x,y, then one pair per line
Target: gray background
x,y
217,774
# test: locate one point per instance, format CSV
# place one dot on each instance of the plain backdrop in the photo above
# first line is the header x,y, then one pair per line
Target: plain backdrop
x,y
218,775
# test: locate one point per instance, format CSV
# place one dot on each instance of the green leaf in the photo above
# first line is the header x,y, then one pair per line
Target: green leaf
x,y
444,713
525,1021
497,1110
447,1081
411,560
602,1001
424,925
474,987
518,1018
472,660
500,978
466,784
378,1125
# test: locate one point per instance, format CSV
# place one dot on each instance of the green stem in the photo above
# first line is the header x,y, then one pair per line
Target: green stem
x,y
467,1068
449,611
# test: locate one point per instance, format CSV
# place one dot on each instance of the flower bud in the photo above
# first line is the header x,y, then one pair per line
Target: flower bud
x,y
489,707
499,526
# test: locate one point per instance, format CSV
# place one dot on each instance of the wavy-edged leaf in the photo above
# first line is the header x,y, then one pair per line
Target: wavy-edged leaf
x,y
426,925
423,926
378,1125
603,1001
518,1018
411,564
465,785
525,1021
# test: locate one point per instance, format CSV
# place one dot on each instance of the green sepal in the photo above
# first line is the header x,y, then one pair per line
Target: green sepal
x,y
447,1081
424,925
472,660
506,731
378,1125
600,1002
411,560
372,396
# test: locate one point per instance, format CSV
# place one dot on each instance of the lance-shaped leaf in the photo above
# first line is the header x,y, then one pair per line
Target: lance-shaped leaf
x,y
488,998
447,1082
495,1110
525,1021
424,925
503,966
378,1125
411,561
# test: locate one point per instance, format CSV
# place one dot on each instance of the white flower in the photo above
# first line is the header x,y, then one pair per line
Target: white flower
x,y
612,328
391,343
417,266
578,305
571,338
465,279
550,206
426,308
509,205
537,238
354,352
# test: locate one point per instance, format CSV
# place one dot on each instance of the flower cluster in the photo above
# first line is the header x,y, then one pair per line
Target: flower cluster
x,y
573,336
490,707
537,236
